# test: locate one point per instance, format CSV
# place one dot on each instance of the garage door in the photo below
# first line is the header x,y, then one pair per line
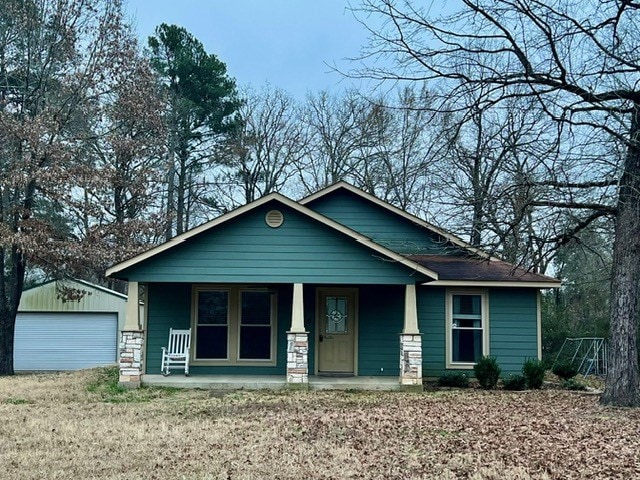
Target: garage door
x,y
64,341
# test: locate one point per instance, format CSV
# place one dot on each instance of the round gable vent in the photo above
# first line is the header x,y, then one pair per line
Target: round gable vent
x,y
274,218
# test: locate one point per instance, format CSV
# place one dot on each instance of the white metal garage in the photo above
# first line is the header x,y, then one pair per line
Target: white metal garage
x,y
64,341
58,332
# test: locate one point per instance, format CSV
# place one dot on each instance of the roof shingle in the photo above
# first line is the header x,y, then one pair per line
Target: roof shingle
x,y
451,267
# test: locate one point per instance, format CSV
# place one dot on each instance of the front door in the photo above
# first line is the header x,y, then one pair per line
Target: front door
x,y
336,330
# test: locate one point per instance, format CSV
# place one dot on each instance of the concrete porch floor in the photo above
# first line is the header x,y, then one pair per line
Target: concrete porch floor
x,y
270,382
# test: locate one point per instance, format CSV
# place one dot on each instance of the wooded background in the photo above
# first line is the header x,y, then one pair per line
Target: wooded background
x,y
513,124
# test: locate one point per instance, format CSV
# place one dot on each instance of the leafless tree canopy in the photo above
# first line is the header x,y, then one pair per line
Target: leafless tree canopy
x,y
580,64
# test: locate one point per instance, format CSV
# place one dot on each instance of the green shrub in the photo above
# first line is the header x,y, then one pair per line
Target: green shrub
x,y
514,382
487,372
565,370
454,379
533,371
573,384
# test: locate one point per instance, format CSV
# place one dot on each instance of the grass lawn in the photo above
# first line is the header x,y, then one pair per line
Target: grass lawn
x,y
80,426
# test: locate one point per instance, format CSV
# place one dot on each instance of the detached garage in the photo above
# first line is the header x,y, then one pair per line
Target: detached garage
x,y
68,325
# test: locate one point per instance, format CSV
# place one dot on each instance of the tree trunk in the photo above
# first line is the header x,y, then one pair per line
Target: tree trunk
x,y
168,234
622,386
13,280
180,199
7,330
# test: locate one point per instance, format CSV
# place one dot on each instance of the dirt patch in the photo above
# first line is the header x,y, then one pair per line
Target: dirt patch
x,y
54,427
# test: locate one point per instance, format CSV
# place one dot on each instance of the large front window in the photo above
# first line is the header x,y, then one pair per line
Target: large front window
x,y
234,325
212,324
467,328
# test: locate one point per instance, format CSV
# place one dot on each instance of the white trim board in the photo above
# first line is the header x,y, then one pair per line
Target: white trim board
x,y
480,283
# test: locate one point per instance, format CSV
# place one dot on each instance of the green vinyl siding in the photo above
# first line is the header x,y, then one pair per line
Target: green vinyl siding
x,y
431,323
513,326
246,250
170,307
382,226
380,322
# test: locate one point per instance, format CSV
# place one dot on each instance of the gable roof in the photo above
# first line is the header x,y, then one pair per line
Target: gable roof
x,y
358,237
342,185
477,268
82,282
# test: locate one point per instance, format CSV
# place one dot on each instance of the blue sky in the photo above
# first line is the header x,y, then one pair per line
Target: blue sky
x,y
287,43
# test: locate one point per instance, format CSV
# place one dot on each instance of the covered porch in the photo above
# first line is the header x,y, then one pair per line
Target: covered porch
x,y
323,337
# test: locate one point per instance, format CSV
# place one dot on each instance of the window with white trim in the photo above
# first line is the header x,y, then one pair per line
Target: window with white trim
x,y
467,338
234,325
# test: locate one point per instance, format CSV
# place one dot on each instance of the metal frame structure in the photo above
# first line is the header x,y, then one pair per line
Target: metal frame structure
x,y
588,353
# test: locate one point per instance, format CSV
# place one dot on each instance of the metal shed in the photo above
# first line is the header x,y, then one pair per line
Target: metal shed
x,y
55,332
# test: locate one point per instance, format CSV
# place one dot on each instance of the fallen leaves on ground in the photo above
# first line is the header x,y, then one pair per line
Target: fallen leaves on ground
x,y
249,435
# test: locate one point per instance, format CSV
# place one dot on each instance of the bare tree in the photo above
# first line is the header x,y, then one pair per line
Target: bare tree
x,y
401,142
485,177
270,142
384,145
582,66
334,124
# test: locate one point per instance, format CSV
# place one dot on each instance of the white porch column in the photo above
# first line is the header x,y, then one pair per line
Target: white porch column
x,y
131,341
410,342
132,313
297,342
297,310
410,311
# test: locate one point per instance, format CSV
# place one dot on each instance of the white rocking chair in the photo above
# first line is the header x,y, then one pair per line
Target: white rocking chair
x,y
176,356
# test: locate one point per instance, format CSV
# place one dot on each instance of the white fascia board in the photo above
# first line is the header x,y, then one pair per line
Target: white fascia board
x,y
480,283
294,206
101,288
449,236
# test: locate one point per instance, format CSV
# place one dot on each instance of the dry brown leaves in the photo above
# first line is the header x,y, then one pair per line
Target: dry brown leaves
x,y
52,430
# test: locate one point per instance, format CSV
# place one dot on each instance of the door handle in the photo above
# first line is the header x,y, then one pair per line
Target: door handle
x,y
321,338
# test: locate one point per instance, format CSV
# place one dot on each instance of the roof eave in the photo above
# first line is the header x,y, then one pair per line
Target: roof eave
x,y
493,283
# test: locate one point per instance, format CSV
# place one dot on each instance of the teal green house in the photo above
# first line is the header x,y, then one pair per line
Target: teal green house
x,y
337,284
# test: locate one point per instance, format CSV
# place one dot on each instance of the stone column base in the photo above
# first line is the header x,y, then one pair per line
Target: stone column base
x,y
131,358
298,359
411,359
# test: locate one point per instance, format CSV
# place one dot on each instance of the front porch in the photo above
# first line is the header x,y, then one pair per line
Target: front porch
x,y
269,382
317,336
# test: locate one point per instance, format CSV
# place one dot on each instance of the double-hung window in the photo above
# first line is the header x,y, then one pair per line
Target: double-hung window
x,y
467,328
234,325
256,330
